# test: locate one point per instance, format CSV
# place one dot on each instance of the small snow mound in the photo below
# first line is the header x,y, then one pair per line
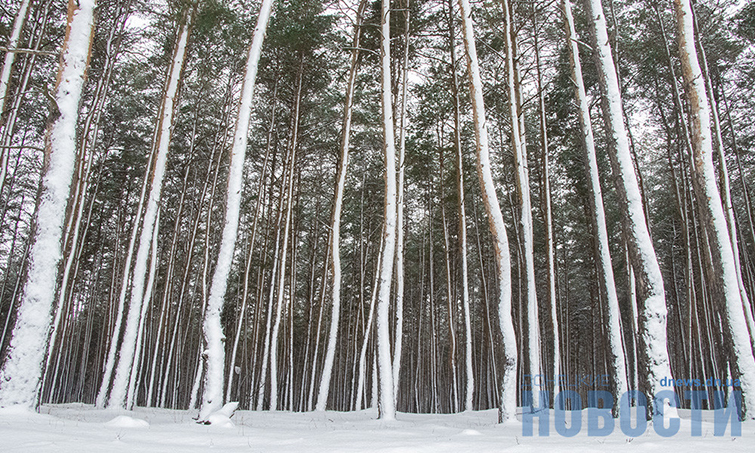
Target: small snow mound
x,y
220,421
223,416
471,432
123,421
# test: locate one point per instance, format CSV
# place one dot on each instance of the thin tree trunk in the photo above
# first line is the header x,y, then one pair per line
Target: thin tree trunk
x,y
507,410
335,232
470,381
127,352
555,369
398,345
617,361
519,148
725,191
284,248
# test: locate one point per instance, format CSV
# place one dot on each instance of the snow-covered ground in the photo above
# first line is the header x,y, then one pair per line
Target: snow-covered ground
x,y
81,428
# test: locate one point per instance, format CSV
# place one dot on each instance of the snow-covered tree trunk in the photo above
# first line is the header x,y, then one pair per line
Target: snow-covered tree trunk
x,y
74,238
554,372
519,148
507,410
652,296
137,365
398,345
709,198
617,362
20,376
724,181
470,382
126,354
212,397
335,242
386,399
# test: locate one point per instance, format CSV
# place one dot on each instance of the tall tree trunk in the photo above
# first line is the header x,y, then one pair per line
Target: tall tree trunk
x,y
335,241
617,361
252,241
21,373
548,221
126,355
519,149
386,400
470,381
725,185
398,345
289,201
74,237
212,396
722,259
507,410
652,296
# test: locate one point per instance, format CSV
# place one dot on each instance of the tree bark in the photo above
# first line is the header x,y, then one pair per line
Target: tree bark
x,y
155,176
386,399
722,258
335,241
212,397
617,362
651,293
507,409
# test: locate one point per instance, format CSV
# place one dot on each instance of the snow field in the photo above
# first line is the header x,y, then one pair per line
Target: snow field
x,y
82,428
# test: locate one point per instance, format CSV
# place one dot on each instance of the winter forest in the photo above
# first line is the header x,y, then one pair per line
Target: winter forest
x,y
418,206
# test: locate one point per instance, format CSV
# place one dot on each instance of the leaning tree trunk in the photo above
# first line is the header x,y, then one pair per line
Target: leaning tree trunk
x,y
21,373
212,397
725,192
335,241
617,362
386,399
507,409
722,260
652,296
126,354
